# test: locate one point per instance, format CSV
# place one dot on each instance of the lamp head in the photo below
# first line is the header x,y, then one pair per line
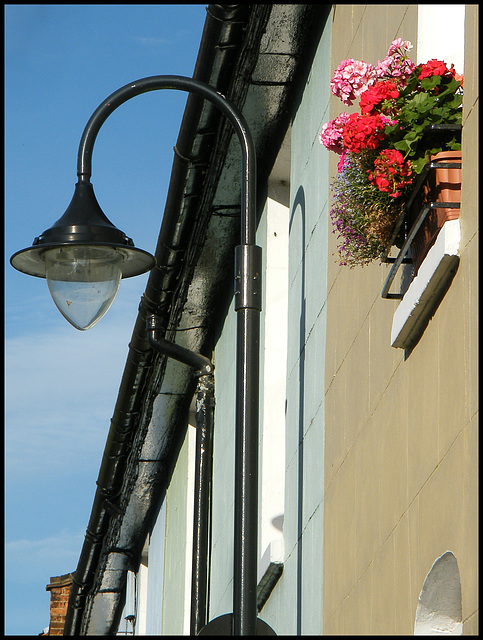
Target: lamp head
x,y
83,256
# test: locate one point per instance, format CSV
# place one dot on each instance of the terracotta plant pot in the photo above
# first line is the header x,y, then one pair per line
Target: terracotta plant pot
x,y
442,185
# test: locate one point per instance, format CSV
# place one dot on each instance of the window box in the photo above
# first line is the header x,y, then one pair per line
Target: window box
x,y
432,239
442,187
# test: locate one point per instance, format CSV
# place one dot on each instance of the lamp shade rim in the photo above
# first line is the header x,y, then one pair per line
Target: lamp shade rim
x,y
31,262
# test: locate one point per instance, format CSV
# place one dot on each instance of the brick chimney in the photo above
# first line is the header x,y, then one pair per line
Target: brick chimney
x,y
59,588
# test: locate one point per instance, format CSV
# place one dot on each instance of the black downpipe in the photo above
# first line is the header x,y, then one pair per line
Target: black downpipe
x,y
202,505
203,466
248,266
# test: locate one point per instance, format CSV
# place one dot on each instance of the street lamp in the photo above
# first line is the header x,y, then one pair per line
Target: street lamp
x,y
84,256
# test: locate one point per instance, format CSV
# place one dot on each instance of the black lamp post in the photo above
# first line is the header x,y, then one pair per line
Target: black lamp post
x,y
83,256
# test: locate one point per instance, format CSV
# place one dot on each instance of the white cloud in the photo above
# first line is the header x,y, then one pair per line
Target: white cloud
x,y
61,389
55,555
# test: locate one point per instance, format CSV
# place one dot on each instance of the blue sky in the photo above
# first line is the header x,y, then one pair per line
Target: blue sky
x,y
61,62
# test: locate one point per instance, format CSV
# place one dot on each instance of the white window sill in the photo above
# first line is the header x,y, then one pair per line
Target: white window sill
x,y
270,569
426,290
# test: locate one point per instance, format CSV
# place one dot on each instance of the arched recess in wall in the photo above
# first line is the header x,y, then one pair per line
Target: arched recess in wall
x,y
439,603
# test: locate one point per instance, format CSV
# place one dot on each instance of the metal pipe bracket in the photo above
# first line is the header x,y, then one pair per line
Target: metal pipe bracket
x,y
248,277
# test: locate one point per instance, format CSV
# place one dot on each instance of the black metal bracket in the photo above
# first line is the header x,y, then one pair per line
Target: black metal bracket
x,y
248,270
402,257
202,365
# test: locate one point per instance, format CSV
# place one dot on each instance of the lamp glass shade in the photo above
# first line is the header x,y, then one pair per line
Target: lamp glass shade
x,y
83,281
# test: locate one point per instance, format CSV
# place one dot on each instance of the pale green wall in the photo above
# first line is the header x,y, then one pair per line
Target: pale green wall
x,y
177,541
303,496
223,469
221,594
295,605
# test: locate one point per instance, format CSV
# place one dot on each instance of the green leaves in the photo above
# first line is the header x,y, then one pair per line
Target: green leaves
x,y
422,103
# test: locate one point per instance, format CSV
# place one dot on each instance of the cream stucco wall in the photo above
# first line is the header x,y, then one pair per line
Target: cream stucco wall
x,y
178,541
400,429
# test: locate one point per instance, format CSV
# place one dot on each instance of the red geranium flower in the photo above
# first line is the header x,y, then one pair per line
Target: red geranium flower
x,y
372,97
391,172
433,68
363,132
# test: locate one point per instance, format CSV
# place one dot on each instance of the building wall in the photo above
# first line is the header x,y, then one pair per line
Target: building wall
x,y
178,537
400,448
291,398
220,597
158,593
272,237
295,604
378,463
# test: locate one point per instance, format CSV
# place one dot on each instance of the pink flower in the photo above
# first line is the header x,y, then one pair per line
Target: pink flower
x,y
331,133
399,43
396,65
351,78
386,120
383,68
341,162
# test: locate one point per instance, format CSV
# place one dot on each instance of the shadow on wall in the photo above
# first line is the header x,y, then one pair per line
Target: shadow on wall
x,y
439,604
299,202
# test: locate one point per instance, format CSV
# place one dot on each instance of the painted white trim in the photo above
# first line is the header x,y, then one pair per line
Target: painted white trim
x,y
190,502
270,569
142,599
273,556
423,293
439,604
275,327
441,34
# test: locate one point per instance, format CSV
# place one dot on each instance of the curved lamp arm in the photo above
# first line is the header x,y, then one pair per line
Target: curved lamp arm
x,y
154,83
248,264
